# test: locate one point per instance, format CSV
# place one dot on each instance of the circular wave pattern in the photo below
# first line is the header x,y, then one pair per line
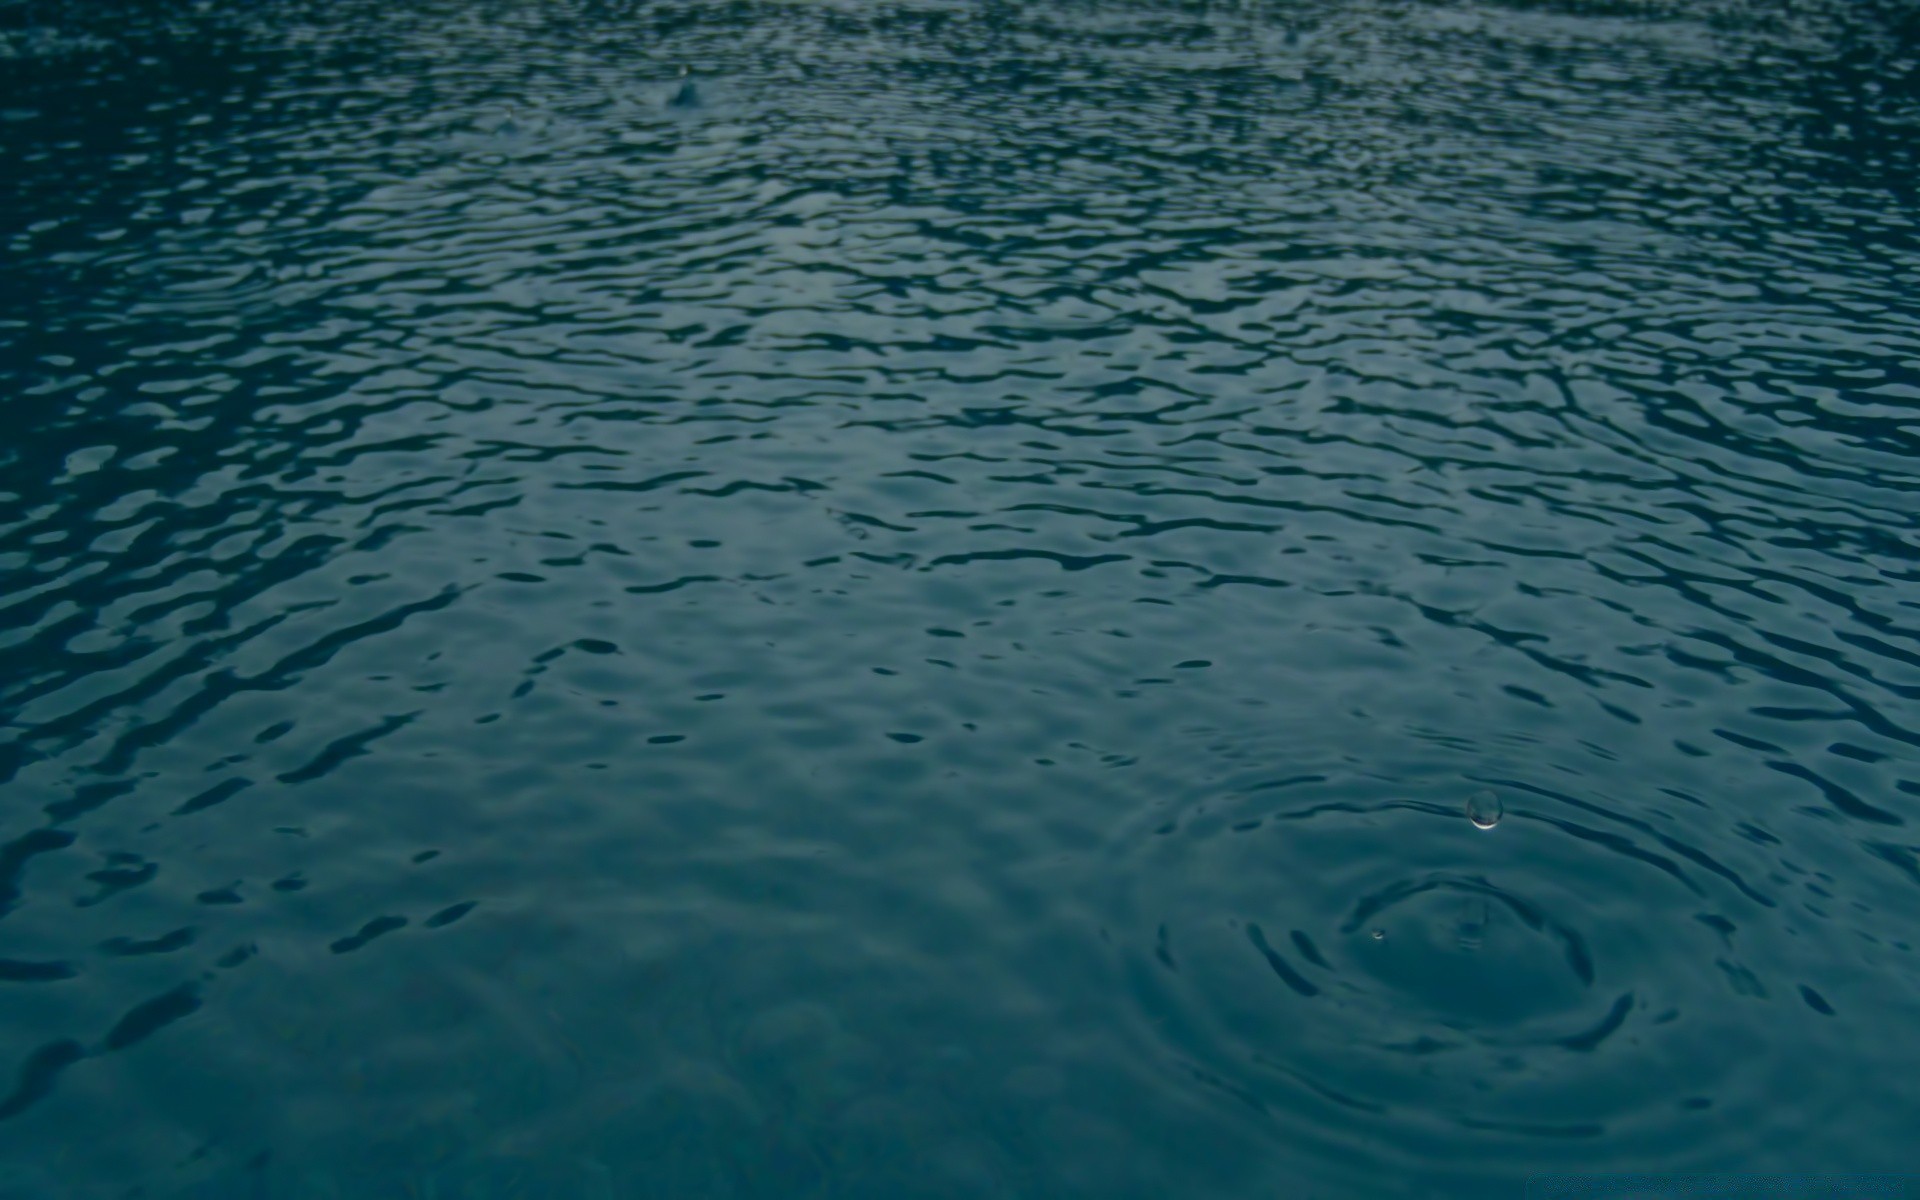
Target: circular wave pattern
x,y
1350,958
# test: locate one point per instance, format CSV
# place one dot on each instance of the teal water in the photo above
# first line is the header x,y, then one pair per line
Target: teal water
x,y
850,600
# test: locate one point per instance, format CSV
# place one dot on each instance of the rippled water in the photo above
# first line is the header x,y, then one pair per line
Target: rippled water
x,y
782,600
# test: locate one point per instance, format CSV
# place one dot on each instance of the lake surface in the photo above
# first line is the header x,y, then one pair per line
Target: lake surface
x,y
929,600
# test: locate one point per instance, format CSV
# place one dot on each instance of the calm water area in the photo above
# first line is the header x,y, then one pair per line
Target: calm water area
x,y
1108,599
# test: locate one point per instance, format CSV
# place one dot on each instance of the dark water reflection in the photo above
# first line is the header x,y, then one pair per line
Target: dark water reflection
x,y
836,600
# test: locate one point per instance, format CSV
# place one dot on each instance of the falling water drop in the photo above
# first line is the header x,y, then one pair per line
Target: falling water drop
x,y
1483,809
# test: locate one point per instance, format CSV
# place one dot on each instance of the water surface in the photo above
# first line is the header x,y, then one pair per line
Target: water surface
x,y
802,599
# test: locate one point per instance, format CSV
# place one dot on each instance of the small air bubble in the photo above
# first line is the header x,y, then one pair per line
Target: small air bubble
x,y
1379,935
1483,809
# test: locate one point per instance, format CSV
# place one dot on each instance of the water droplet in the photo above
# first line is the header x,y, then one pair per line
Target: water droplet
x,y
1483,809
1379,935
